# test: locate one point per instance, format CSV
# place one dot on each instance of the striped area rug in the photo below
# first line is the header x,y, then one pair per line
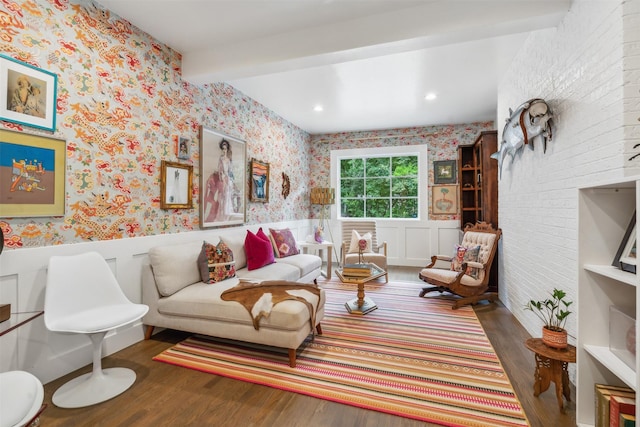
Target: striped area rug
x,y
412,357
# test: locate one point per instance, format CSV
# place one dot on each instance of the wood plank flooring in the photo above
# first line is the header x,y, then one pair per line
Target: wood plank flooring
x,y
165,395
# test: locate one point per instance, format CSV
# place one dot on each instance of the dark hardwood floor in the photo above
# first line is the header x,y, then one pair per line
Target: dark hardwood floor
x,y
165,395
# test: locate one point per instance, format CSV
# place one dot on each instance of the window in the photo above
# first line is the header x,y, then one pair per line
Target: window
x,y
379,186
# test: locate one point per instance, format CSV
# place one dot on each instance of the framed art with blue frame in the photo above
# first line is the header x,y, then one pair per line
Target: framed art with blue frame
x,y
27,94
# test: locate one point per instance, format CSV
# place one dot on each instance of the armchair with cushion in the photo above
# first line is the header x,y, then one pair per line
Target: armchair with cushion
x,y
352,232
467,273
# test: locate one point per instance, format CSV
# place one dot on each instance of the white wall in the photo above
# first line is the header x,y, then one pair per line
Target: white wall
x,y
23,275
578,69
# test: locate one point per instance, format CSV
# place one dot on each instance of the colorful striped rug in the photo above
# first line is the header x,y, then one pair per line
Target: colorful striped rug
x,y
412,357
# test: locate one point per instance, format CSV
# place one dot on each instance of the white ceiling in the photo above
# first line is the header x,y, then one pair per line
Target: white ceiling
x,y
369,63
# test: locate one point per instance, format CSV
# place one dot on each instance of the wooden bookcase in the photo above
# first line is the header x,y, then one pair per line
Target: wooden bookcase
x,y
478,178
604,214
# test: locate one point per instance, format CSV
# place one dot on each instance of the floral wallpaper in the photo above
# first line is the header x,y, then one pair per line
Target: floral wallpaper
x,y
442,143
121,107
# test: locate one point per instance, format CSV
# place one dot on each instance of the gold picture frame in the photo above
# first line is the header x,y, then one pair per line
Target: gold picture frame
x,y
444,199
32,175
176,185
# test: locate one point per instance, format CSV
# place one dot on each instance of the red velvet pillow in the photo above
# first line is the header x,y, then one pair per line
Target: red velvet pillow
x,y
259,250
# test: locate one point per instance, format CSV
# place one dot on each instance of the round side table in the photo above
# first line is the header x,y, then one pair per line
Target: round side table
x,y
551,365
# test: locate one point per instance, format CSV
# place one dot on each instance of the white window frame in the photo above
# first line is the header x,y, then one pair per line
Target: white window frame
x,y
423,173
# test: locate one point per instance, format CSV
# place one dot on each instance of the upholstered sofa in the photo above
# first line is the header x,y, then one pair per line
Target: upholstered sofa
x,y
178,298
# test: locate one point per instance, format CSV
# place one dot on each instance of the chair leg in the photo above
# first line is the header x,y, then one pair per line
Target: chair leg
x,y
428,289
96,386
489,296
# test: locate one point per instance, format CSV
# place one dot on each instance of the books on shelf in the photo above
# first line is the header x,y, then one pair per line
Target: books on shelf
x,y
627,420
611,402
619,405
360,270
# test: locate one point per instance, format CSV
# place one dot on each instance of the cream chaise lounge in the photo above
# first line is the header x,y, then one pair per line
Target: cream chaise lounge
x,y
178,299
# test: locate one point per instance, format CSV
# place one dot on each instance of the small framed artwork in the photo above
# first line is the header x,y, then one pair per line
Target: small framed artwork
x,y
444,172
625,258
184,148
32,175
259,181
176,185
223,171
27,94
444,199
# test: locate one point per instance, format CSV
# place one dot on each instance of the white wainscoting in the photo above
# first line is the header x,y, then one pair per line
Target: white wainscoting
x,y
48,355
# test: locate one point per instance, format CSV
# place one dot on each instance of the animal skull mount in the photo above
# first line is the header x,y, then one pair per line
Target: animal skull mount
x,y
529,123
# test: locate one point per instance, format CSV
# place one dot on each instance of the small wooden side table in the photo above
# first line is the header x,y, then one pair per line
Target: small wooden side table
x,y
551,365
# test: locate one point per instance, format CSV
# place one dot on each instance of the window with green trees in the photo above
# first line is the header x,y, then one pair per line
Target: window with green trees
x,y
379,187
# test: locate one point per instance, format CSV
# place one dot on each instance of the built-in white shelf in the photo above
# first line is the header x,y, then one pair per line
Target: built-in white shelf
x,y
613,273
604,212
613,363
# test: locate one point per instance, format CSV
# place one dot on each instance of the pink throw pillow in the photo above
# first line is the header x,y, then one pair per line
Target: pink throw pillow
x,y
258,249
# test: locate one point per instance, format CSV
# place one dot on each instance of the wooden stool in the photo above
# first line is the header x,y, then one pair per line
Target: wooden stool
x,y
551,365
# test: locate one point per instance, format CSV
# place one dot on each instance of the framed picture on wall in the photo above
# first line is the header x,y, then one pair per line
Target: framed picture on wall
x,y
444,172
223,168
183,150
32,175
259,181
444,199
176,186
27,94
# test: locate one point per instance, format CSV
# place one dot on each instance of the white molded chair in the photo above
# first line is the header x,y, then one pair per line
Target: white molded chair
x,y
83,297
21,396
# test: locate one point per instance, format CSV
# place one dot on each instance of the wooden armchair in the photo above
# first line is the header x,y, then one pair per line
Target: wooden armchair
x,y
376,254
440,275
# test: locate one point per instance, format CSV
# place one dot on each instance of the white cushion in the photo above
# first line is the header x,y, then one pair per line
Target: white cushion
x,y
175,266
355,238
235,242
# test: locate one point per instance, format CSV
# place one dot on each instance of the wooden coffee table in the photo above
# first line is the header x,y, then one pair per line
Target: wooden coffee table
x,y
361,305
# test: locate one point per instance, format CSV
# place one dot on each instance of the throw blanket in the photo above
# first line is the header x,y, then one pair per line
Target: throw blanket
x,y
259,298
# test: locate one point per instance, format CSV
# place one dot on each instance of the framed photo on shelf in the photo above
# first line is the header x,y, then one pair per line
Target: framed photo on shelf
x,y
444,199
223,174
27,94
176,186
626,256
444,172
32,168
259,181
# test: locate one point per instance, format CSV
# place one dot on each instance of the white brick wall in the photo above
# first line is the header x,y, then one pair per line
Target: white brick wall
x,y
578,69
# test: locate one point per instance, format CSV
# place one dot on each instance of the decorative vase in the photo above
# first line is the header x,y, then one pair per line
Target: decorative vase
x,y
554,339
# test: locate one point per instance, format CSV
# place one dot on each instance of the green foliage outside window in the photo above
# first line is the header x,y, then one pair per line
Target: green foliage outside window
x,y
379,187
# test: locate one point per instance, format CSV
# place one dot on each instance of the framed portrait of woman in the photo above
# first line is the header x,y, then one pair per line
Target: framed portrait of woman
x,y
222,179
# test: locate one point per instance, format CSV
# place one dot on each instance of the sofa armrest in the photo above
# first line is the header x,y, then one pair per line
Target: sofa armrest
x,y
150,294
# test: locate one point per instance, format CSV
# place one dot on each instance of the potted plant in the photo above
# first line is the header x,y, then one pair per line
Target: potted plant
x,y
553,312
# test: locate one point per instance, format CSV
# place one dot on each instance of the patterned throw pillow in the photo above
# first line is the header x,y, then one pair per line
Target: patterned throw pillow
x,y
284,243
216,262
463,255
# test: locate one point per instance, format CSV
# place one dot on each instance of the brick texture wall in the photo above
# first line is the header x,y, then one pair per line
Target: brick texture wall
x,y
588,71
